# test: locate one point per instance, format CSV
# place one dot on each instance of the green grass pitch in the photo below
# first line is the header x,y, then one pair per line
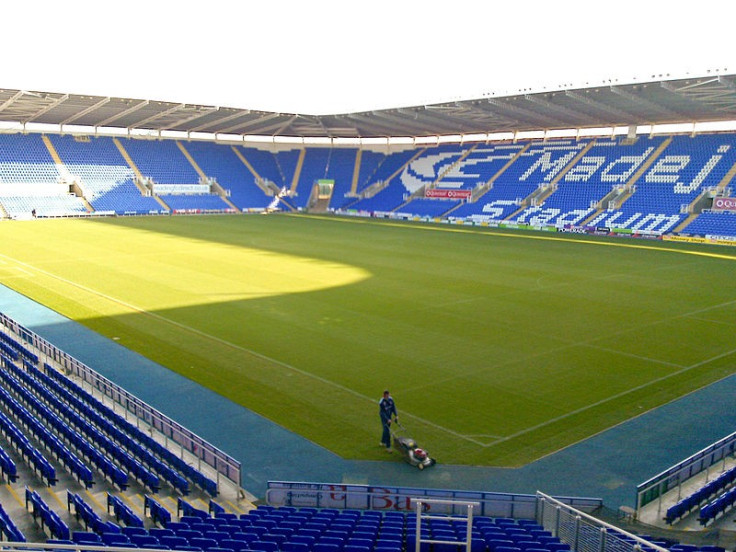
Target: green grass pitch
x,y
498,347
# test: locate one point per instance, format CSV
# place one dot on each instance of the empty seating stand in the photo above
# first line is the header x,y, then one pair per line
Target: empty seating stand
x,y
717,507
705,493
48,518
550,182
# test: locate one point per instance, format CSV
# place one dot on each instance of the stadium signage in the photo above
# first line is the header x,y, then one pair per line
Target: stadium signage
x,y
181,189
721,240
437,193
717,240
365,497
573,229
724,203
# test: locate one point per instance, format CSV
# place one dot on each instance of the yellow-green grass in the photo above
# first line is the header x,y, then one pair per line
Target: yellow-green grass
x,y
499,347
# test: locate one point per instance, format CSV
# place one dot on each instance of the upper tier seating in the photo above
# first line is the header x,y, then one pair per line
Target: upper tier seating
x,y
393,194
685,169
278,168
430,166
161,160
223,164
340,168
102,173
24,159
648,184
314,167
479,166
536,165
608,163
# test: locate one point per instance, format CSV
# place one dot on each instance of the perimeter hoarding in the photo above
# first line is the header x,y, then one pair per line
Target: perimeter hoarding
x,y
399,499
724,204
443,193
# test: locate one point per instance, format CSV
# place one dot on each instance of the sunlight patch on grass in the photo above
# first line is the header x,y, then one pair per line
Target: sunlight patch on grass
x,y
117,270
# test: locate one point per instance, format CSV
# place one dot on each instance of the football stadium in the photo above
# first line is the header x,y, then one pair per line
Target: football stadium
x,y
201,307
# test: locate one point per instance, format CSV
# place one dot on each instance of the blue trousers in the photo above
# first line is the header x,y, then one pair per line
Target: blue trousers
x,y
386,437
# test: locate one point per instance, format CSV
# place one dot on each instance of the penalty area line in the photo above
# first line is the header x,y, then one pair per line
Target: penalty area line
x,y
613,397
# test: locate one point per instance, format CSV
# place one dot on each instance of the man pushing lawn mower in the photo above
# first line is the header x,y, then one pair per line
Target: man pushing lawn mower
x,y
387,409
405,445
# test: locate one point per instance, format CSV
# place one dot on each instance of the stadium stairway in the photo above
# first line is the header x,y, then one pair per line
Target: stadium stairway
x,y
161,202
268,189
128,160
356,173
555,181
450,168
247,163
298,170
61,167
629,186
398,171
694,211
191,160
540,194
478,193
52,150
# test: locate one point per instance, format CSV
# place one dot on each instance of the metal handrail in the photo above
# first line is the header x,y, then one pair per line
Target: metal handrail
x,y
419,503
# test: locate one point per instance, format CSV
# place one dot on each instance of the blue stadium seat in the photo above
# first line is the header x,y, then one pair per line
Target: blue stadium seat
x,y
238,545
85,537
173,542
203,542
294,546
264,546
111,539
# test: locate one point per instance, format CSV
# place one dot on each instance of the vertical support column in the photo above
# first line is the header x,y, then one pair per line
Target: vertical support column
x,y
418,528
469,533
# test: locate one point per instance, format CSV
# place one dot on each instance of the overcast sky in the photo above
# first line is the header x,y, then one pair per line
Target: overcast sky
x,y
319,57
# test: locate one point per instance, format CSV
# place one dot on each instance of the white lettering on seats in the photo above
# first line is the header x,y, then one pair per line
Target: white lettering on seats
x,y
633,160
545,163
585,168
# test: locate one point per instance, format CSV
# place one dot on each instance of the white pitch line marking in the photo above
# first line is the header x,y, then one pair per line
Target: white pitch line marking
x,y
239,348
612,397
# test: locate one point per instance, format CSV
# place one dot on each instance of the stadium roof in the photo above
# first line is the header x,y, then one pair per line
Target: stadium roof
x,y
689,100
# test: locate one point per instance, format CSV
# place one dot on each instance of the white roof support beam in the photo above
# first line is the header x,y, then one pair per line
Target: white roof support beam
x,y
634,99
225,119
174,109
48,108
532,117
10,101
599,106
122,114
84,112
248,124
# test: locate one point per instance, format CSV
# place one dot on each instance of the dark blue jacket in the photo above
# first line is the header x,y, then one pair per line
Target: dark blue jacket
x,y
386,408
